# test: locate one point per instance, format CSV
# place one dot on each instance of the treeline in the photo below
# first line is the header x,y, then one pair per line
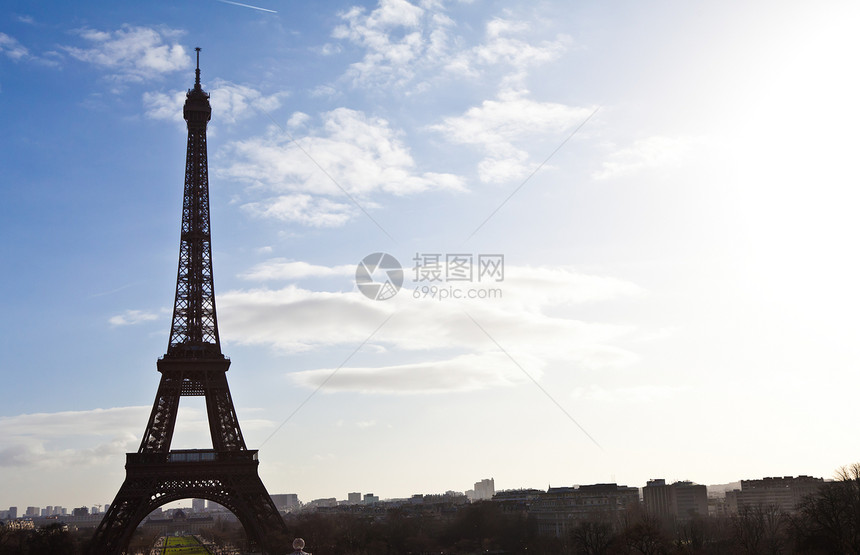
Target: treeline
x,y
826,523
53,540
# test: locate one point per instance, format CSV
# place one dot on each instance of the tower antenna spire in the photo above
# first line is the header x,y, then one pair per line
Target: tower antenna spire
x,y
197,71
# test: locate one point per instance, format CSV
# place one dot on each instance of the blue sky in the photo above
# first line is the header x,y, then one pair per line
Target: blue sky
x,y
672,186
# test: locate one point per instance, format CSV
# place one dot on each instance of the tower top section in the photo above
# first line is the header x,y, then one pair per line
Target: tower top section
x,y
197,110
194,331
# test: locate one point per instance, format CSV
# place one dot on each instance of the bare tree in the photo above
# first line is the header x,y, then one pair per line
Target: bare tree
x,y
749,529
593,537
829,521
644,534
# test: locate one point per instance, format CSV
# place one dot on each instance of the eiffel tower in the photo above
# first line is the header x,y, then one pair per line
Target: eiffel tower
x,y
193,366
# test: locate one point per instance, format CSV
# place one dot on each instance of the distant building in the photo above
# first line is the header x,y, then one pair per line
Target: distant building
x,y
560,510
178,523
32,511
353,498
369,499
80,522
517,501
21,524
676,502
324,502
198,505
484,490
286,501
80,511
717,506
518,495
13,513
449,498
785,493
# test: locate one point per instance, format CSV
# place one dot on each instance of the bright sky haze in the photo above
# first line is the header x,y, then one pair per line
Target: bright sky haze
x,y
673,187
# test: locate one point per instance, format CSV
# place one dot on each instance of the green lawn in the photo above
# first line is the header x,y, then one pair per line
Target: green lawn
x,y
183,545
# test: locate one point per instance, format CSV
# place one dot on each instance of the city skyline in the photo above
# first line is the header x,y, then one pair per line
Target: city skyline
x,y
785,491
668,190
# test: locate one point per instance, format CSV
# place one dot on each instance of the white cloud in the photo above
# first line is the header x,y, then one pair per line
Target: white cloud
x,y
230,102
323,91
501,127
12,49
651,152
404,43
463,373
329,49
132,317
361,154
62,424
273,317
133,53
527,322
302,209
392,37
280,269
298,119
167,106
37,440
501,47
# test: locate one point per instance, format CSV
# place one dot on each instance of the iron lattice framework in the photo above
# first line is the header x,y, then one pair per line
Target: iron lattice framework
x,y
193,366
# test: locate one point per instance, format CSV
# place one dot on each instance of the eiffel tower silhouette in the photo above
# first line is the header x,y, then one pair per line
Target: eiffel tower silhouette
x,y
193,366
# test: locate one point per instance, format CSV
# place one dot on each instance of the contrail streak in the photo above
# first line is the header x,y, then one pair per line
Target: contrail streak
x,y
248,6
